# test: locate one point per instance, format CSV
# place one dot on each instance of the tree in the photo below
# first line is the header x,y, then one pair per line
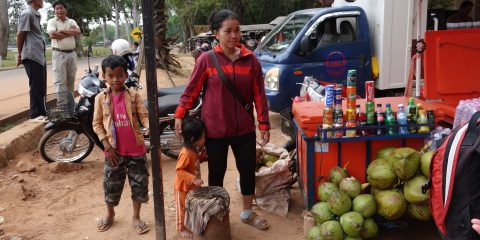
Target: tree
x,y
160,23
4,28
84,12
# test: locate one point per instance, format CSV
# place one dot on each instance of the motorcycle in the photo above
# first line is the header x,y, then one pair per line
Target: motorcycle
x,y
69,136
170,144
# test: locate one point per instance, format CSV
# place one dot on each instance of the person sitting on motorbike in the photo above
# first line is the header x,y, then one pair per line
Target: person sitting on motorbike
x,y
115,121
121,47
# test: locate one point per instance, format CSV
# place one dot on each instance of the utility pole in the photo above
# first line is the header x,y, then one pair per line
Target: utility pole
x,y
151,74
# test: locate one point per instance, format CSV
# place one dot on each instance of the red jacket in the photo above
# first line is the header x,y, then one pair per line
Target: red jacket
x,y
222,114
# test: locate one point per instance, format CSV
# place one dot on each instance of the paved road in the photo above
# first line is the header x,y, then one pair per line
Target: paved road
x,y
14,87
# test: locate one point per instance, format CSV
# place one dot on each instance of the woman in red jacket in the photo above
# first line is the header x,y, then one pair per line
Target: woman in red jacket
x,y
228,122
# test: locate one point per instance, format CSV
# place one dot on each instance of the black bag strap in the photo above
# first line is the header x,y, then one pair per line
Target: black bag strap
x,y
471,135
227,83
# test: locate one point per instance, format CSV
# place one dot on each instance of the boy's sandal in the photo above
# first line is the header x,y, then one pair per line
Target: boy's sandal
x,y
104,224
255,220
142,228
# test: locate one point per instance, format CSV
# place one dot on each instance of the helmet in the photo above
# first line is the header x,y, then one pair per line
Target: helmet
x,y
121,47
89,86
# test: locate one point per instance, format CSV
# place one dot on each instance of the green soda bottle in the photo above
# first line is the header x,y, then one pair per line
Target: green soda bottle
x,y
390,120
412,114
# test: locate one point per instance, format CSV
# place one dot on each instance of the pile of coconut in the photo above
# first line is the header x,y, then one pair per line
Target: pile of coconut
x,y
395,181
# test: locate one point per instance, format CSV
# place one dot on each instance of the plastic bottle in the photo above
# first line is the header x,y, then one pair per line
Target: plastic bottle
x,y
402,119
412,114
390,120
361,119
380,119
422,119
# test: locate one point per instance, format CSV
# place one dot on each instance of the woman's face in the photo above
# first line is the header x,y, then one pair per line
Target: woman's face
x,y
228,34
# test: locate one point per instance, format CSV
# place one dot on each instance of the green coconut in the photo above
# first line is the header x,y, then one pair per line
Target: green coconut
x,y
385,152
391,204
369,229
325,189
381,175
413,190
406,164
321,213
337,174
269,159
314,233
419,211
352,238
425,163
350,186
339,203
365,204
352,223
331,230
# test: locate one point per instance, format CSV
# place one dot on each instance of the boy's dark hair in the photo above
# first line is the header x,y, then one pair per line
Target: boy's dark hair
x,y
114,61
59,2
192,130
218,17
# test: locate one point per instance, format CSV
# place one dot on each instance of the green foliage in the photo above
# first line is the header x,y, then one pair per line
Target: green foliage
x,y
85,12
440,4
15,7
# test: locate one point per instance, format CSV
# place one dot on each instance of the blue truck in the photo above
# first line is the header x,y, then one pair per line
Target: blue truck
x,y
324,43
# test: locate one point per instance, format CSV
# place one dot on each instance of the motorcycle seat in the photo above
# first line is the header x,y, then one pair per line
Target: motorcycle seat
x,y
166,104
171,91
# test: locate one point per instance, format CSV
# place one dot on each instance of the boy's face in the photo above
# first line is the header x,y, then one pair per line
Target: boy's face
x,y
115,78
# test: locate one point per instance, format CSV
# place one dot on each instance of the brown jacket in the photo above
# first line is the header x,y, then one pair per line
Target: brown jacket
x,y
102,116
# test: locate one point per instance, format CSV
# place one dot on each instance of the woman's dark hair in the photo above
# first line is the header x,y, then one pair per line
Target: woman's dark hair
x,y
218,17
192,130
466,4
114,61
59,3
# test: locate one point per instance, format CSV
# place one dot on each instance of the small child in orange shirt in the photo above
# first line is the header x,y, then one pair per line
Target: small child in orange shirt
x,y
188,168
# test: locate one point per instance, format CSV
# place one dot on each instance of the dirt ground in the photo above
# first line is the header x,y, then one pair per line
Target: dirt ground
x,y
42,204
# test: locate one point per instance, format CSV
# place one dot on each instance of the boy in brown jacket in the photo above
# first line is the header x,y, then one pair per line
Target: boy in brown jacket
x,y
115,122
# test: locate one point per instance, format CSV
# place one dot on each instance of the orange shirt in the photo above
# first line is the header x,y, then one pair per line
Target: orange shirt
x,y
188,168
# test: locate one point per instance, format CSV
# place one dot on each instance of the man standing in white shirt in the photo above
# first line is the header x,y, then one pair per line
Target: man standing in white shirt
x,y
62,31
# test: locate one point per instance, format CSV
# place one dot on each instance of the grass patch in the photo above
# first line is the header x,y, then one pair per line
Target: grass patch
x,y
11,60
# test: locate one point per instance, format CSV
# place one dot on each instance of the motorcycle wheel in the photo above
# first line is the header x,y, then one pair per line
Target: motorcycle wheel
x,y
169,142
56,146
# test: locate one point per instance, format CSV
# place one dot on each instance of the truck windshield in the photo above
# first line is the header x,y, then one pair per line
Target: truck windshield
x,y
280,38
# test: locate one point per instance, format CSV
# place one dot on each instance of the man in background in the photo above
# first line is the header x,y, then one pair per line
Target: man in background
x,y
463,13
31,53
62,30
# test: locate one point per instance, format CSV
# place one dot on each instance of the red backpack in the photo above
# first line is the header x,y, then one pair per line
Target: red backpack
x,y
455,182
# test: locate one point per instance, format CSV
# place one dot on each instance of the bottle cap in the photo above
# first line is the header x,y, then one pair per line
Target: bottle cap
x,y
379,104
387,105
400,105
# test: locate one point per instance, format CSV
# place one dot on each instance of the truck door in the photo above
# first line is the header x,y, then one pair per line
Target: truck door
x,y
335,43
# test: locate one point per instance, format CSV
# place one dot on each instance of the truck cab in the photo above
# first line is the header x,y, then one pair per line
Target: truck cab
x,y
324,43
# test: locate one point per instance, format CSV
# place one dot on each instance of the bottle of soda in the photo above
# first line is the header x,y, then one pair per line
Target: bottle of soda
x,y
422,119
380,119
402,119
390,120
361,119
370,113
412,114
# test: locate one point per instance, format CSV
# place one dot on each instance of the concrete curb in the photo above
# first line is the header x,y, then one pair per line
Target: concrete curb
x,y
19,139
